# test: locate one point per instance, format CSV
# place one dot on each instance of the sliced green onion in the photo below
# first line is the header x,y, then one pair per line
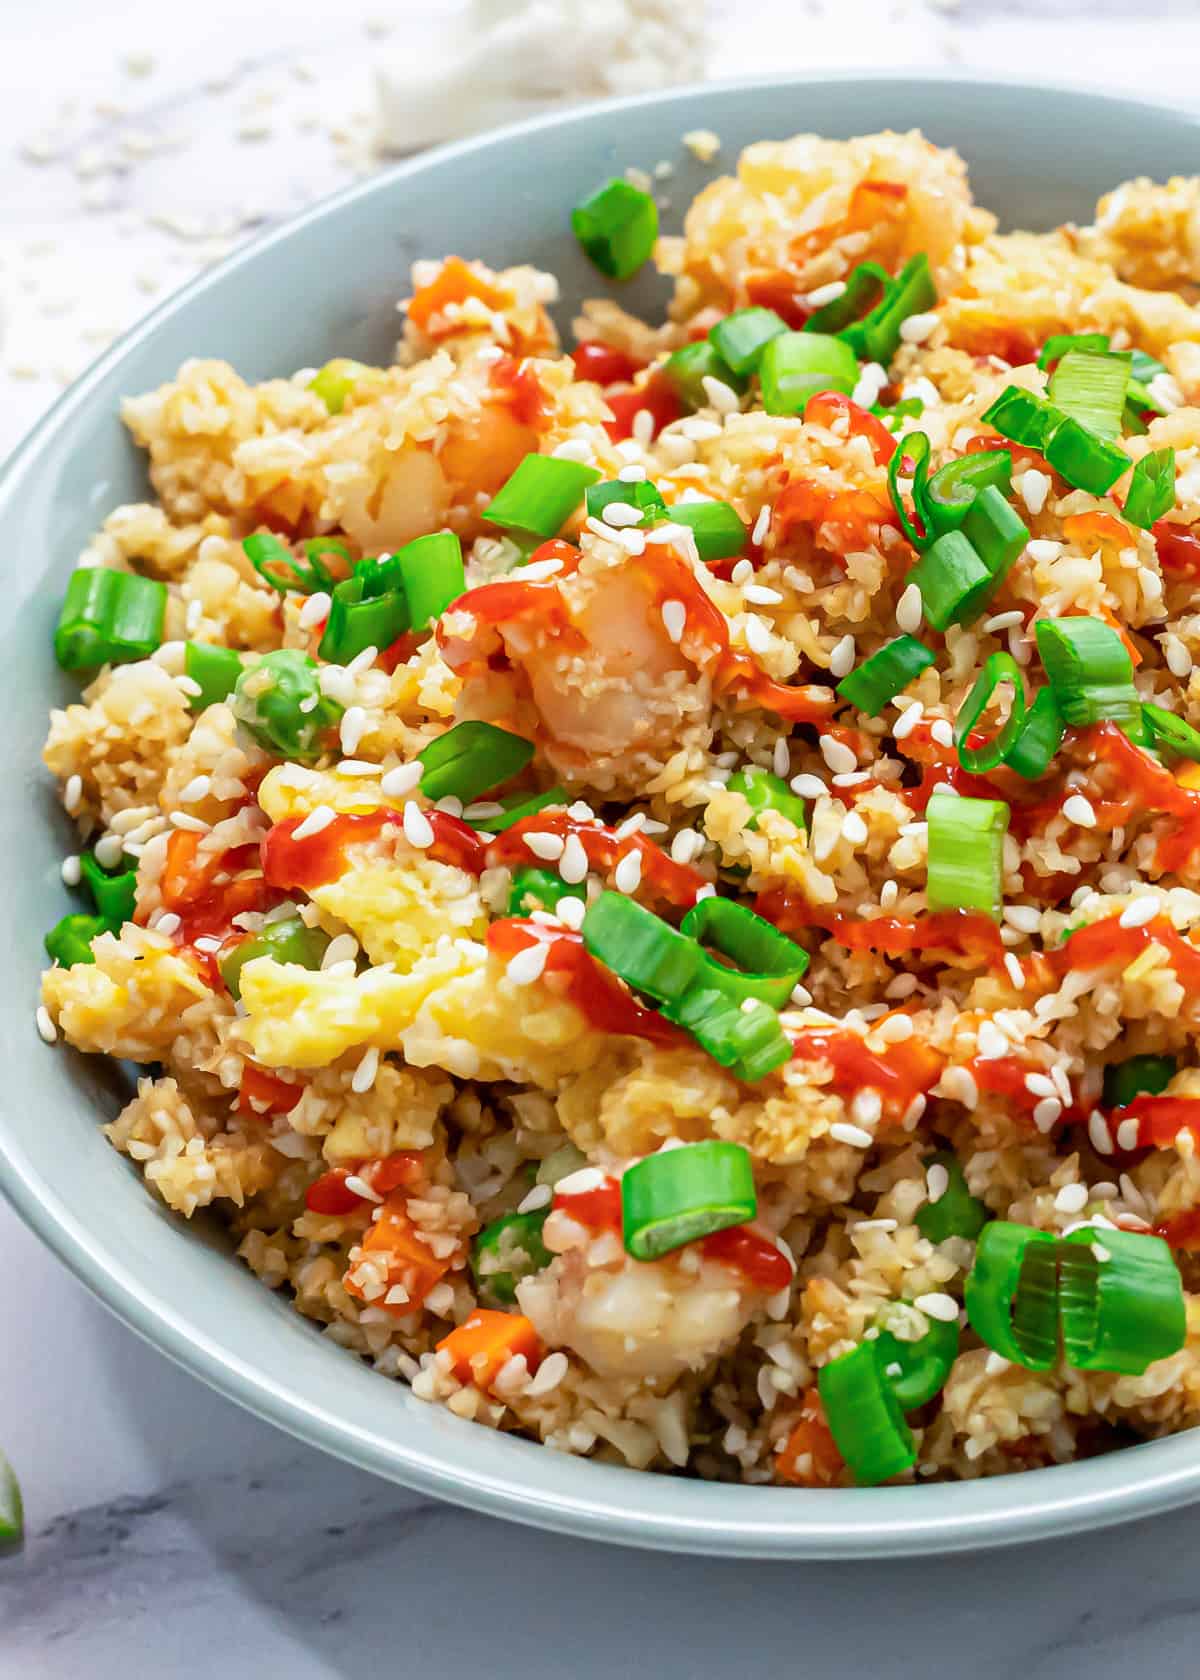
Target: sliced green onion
x,y
1011,1295
277,565
923,1365
617,227
1138,1076
1083,459
1022,416
267,702
644,950
908,408
1151,488
953,581
995,531
865,1417
763,790
739,339
866,287
998,669
1170,733
215,670
956,1213
768,965
12,1518
718,530
70,941
1039,739
334,382
108,618
470,758
952,489
1058,345
541,495
966,853
355,624
910,293
884,674
1132,418
1145,367
433,574
289,940
1089,669
507,1250
642,495
678,1195
1090,386
916,450
518,806
538,889
796,365
114,892
1121,1300
744,1037
688,367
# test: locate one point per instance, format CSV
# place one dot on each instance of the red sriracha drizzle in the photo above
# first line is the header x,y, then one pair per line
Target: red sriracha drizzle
x,y
745,1250
330,1193
829,406
657,396
1178,549
900,1074
955,931
595,992
677,883
517,385
320,857
262,1093
603,364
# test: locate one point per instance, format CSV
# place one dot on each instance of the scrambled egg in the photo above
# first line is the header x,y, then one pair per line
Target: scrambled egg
x,y
398,909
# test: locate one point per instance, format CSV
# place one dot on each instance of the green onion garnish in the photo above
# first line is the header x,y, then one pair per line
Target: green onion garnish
x,y
916,449
1151,488
884,674
289,940
865,1417
966,853
999,669
796,365
910,293
953,581
679,1195
108,618
70,940
746,1038
1011,1295
507,1250
432,572
470,758
541,495
1171,734
739,339
1040,737
1022,416
267,703
1090,386
1138,1076
768,965
12,1520
763,790
951,491
277,565
647,953
518,806
719,532
538,889
355,624
114,891
1058,345
866,287
923,1365
1089,669
335,381
215,670
617,227
642,495
688,368
956,1213
995,532
1083,459
1121,1301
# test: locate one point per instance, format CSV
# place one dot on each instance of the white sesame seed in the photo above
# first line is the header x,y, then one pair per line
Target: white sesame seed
x,y
991,1042
357,1185
958,1083
627,876
418,830
909,609
352,729
808,787
197,789
1139,911
548,1375
207,944
527,965
318,818
758,636
343,947
571,912
854,829
838,756
903,986
71,871
168,922
866,1107
1015,972
643,427
573,861
181,819
47,1031
871,380
889,892
1179,660
1072,1198
1047,1113
394,784
1034,487
1128,1134
1024,917
762,526
578,1183
825,294
1079,810
941,730
1003,620
632,474
73,794
842,1132
621,514
722,398
1038,1085
314,611
759,595
742,571
364,1073
674,617
908,720
937,1182
841,659
548,847
852,778
537,571
686,845
1099,1133
937,1305
108,850
1043,550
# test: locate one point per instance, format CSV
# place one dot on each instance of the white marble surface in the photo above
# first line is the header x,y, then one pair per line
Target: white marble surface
x,y
169,1531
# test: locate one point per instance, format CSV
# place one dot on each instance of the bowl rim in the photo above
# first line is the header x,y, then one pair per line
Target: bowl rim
x,y
597,1501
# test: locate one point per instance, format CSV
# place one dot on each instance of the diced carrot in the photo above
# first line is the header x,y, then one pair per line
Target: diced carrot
x,y
486,1342
411,1263
454,283
809,1457
1097,527
184,879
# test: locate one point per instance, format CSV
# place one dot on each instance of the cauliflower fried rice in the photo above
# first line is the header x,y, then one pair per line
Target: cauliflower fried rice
x,y
387,1028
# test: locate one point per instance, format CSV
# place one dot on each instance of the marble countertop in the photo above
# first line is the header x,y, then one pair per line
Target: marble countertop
x,y
165,1526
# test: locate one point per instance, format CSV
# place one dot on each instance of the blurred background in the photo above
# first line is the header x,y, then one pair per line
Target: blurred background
x,y
143,139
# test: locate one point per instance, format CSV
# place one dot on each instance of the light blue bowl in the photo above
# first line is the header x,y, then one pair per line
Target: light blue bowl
x,y
326,284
